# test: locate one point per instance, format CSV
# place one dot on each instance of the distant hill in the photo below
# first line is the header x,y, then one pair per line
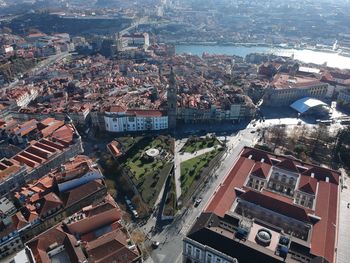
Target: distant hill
x,y
49,24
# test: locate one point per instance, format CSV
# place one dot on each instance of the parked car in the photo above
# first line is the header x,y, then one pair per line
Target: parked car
x,y
197,202
155,244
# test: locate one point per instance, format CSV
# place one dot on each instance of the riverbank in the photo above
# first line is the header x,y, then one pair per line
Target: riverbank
x,y
315,56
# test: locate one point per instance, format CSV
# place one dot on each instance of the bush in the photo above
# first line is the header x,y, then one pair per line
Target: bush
x,y
300,148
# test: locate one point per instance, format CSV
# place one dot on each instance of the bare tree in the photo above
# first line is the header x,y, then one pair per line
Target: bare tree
x,y
278,136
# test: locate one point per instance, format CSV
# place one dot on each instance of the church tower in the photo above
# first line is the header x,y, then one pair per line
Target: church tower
x,y
172,101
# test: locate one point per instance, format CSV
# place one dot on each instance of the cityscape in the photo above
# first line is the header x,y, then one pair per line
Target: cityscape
x,y
174,131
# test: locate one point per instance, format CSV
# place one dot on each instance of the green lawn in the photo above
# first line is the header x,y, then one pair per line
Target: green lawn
x,y
148,174
191,169
128,141
195,144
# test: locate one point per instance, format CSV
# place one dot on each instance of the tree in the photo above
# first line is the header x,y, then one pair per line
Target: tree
x,y
320,136
138,237
278,136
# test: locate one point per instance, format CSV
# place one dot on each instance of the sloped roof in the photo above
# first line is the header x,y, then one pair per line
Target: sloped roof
x,y
289,165
321,174
111,246
275,205
81,192
307,184
257,155
40,245
261,170
47,203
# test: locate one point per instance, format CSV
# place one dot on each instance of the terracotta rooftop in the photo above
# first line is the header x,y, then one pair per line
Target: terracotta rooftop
x,y
51,239
112,246
285,81
114,147
75,195
307,184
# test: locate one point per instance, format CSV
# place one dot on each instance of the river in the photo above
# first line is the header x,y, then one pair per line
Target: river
x,y
304,55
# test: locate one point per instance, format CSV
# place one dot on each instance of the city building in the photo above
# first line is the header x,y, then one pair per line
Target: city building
x,y
172,101
285,89
270,208
21,96
137,40
45,202
96,230
41,156
118,119
343,98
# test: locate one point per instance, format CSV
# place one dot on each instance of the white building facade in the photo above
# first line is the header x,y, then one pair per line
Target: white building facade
x,y
135,120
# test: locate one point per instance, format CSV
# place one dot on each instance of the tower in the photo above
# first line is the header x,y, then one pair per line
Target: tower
x,y
172,101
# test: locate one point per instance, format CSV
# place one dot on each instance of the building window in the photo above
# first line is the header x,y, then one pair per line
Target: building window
x,y
197,253
291,181
189,249
209,258
218,260
284,179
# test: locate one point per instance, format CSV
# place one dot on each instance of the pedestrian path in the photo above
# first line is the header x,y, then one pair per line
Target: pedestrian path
x,y
343,251
177,169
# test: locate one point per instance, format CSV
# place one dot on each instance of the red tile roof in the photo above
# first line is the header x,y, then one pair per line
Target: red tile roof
x,y
225,196
40,246
276,204
113,147
111,247
65,133
307,184
324,231
147,113
75,195
289,165
261,170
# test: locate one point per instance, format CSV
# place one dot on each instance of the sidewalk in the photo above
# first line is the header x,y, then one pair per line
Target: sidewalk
x,y
177,167
343,251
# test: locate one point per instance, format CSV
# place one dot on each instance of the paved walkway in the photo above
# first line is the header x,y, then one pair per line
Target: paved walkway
x,y
344,224
177,169
187,156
